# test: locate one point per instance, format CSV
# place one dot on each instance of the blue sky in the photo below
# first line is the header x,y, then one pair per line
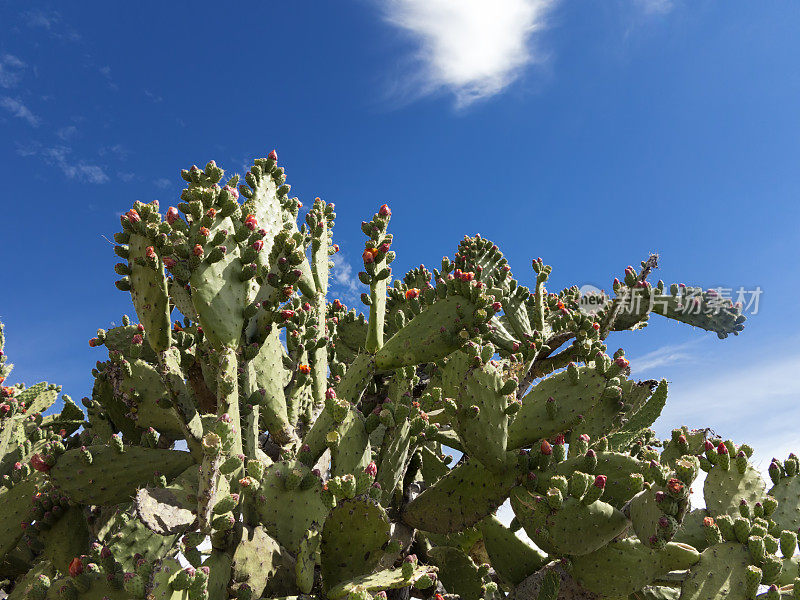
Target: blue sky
x,y
588,133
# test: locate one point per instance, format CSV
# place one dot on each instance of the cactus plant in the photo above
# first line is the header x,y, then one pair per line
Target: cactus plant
x,y
273,443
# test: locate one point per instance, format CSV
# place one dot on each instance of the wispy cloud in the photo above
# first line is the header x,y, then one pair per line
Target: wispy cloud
x,y
667,355
655,7
342,275
11,69
19,110
471,48
61,157
153,96
67,132
51,22
117,150
162,182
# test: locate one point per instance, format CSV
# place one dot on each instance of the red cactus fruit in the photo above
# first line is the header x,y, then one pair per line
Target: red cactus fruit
x,y
150,252
600,481
412,293
258,245
371,469
38,463
384,211
172,215
197,250
546,448
133,216
305,369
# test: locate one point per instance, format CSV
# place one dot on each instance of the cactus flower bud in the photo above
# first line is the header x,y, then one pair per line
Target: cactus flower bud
x,y
258,245
371,469
600,481
133,216
305,369
273,155
150,252
546,448
412,293
197,250
251,222
496,306
385,211
75,567
169,262
204,231
38,463
136,340
172,215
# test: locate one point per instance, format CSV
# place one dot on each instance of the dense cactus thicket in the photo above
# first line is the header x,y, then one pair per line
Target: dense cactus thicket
x,y
271,443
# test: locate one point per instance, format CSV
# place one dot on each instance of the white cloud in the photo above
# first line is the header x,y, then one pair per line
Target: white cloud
x,y
67,132
666,356
162,182
655,7
471,48
342,275
74,169
11,69
19,110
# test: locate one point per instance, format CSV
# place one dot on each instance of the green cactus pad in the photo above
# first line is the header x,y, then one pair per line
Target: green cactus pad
x,y
787,493
719,575
574,529
532,587
389,579
570,402
260,562
15,507
512,558
485,435
353,538
67,538
24,588
622,472
393,459
691,530
129,539
352,451
172,509
218,294
287,514
460,499
625,566
429,336
149,294
113,477
271,377
160,585
723,489
458,573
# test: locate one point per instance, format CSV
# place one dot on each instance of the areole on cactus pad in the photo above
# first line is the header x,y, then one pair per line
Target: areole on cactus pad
x,y
274,443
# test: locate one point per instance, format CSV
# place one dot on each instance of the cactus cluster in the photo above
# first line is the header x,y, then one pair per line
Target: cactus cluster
x,y
248,438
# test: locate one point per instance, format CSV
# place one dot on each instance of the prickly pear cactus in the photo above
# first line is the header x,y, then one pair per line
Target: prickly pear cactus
x,y
250,437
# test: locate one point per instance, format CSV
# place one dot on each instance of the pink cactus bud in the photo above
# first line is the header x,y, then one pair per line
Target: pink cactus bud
x,y
136,340
133,216
708,445
371,469
722,448
330,393
251,222
172,215
559,441
232,191
584,438
273,155
496,306
287,314
258,245
38,463
600,481
150,252
384,211
412,293
197,250
546,448
337,304
368,256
